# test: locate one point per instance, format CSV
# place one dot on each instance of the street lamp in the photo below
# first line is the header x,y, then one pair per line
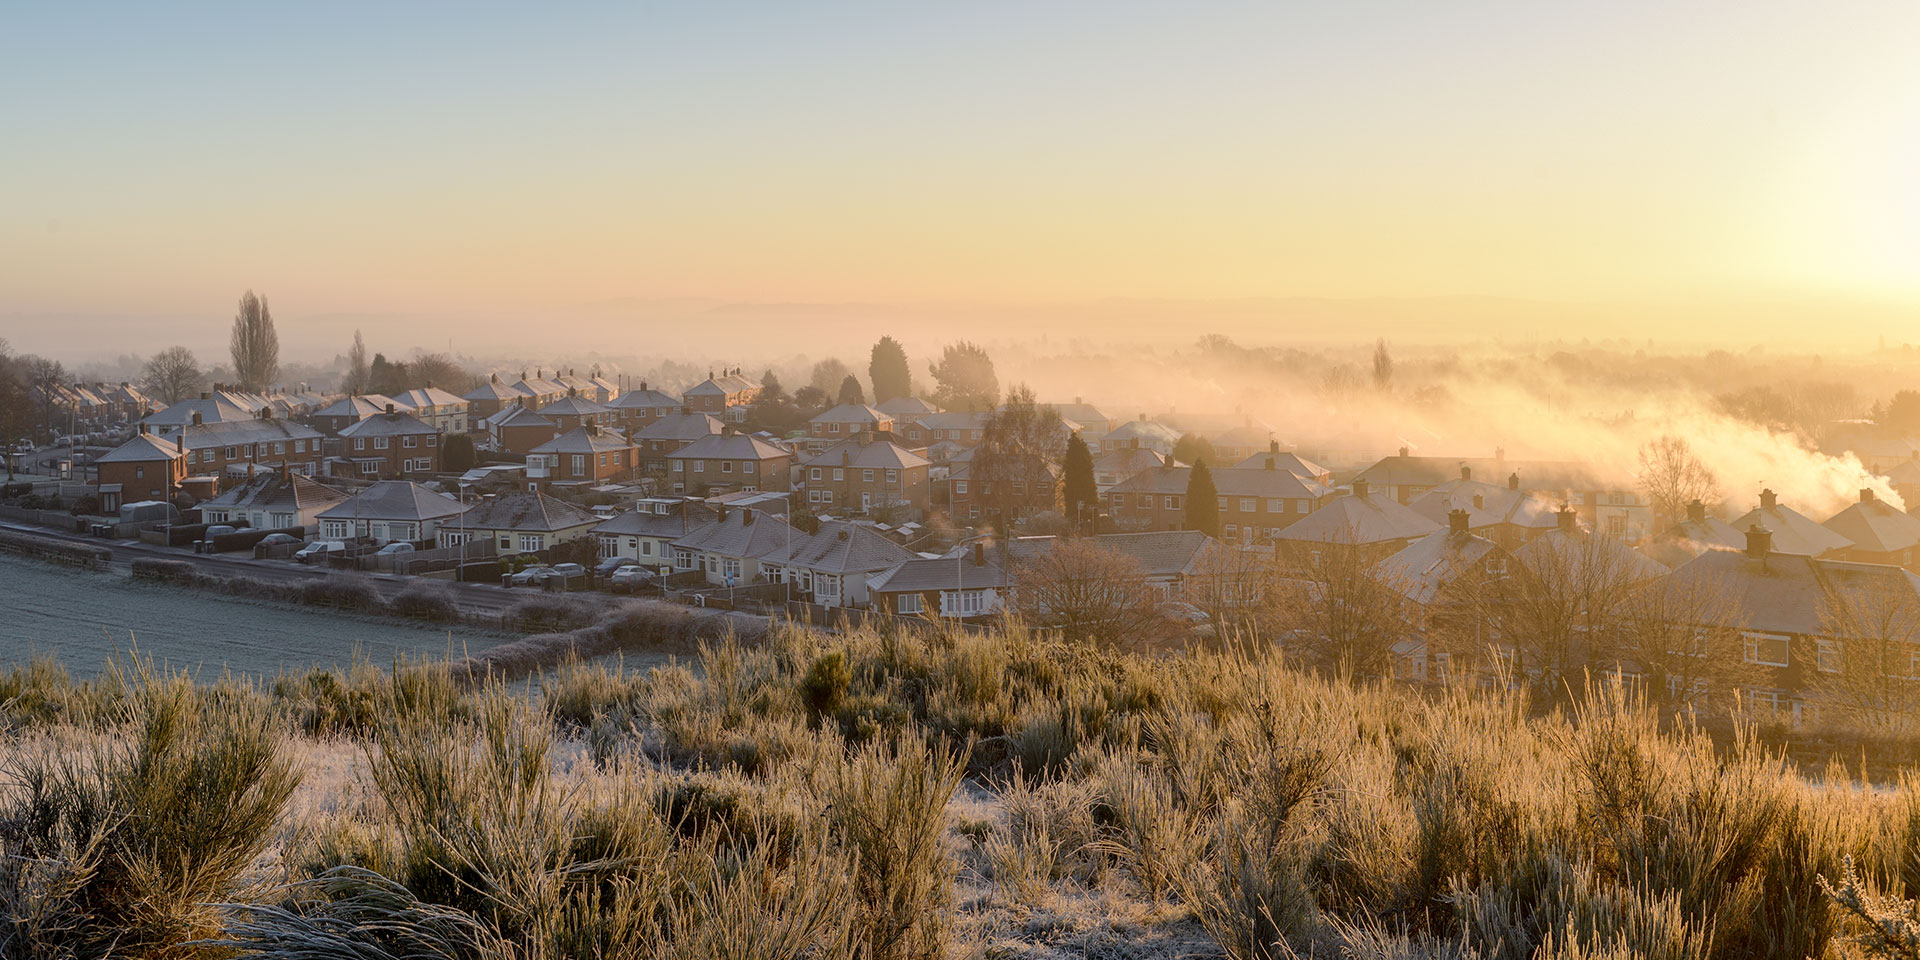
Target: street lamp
x,y
462,575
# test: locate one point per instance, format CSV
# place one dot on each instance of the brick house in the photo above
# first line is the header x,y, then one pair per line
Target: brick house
x,y
388,446
1031,485
866,474
574,411
236,448
592,386
432,405
730,550
488,399
1505,514
588,455
727,462
1287,460
669,434
1795,532
516,430
962,429
638,408
1122,463
725,396
1144,432
206,408
1366,520
539,390
147,467
1254,505
338,415
843,422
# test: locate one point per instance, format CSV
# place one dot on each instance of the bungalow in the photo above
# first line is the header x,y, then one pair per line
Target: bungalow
x,y
832,565
209,408
645,534
273,502
390,445
391,511
965,585
866,474
729,461
731,549
523,522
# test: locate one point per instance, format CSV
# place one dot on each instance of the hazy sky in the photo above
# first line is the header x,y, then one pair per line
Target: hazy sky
x,y
420,158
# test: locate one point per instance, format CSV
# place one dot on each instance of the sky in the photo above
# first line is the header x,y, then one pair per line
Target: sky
x,y
468,168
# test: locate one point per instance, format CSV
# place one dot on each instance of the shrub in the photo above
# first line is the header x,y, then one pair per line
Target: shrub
x,y
165,571
343,593
548,615
426,600
888,804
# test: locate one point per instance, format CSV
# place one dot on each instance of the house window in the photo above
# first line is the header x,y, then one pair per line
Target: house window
x,y
1766,649
1827,655
839,474
579,464
603,459
959,486
1276,506
1299,506
683,560
231,454
833,427
813,474
433,438
261,450
531,541
907,603
299,446
699,466
646,548
893,476
409,441
826,588
369,466
1170,501
676,466
139,473
963,603
359,443
1249,504
1233,531
731,569
726,466
1220,504
280,447
866,476
379,443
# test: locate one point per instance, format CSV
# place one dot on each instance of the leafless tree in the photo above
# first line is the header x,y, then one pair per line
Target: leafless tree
x,y
1673,477
1229,586
172,375
1681,641
1382,366
255,346
439,370
358,373
1865,670
827,375
1325,604
1089,593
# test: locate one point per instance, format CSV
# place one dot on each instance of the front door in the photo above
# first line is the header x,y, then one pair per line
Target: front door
x,y
866,502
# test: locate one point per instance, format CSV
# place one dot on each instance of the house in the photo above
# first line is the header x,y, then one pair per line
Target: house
x,y
147,467
1608,500
967,585
1121,463
436,407
1150,434
574,411
866,474
845,421
1178,564
538,390
1793,531
1367,520
391,511
669,434
1503,513
1254,505
520,522
1286,460
1569,554
488,399
337,416
588,455
962,428
390,445
1092,424
208,408
1438,578
729,461
1796,615
1904,478
1877,532
638,408
592,387
730,549
645,534
237,448
726,396
516,430
906,408
1019,485
273,502
832,565
1243,442
1695,535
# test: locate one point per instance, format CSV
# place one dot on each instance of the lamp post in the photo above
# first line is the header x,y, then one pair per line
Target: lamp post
x,y
462,575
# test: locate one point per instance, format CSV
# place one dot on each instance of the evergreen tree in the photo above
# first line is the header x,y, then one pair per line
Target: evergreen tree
x,y
888,371
966,378
850,390
457,454
1082,494
1203,501
1192,448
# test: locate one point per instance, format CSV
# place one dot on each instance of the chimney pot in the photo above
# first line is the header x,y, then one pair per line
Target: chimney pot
x,y
1405,452
196,418
389,408
1273,446
1456,521
746,515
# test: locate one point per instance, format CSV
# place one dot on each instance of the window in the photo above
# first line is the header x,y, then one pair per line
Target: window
x,y
1767,649
908,603
1220,504
1617,525
1300,506
963,603
1119,500
699,466
826,588
379,443
1233,531
359,443
603,459
893,476
409,441
609,548
813,474
1827,655
231,454
260,450
677,466
433,438
1171,502
280,447
579,464
959,486
139,473
866,476
839,474
369,466
646,548
683,559
299,446
530,542
1249,504
1276,506
731,568
746,466
833,427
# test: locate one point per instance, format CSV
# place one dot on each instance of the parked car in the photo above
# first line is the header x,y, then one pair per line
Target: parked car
x,y
531,576
568,571
632,575
608,566
279,538
220,530
317,551
392,549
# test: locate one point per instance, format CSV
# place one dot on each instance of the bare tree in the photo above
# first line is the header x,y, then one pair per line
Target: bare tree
x,y
1089,593
173,375
1228,585
827,375
1325,604
1673,477
255,346
439,370
1864,669
1382,366
357,372
1681,643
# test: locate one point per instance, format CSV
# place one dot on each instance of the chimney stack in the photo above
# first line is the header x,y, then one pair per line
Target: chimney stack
x,y
196,418
1569,521
389,409
1767,499
1405,452
1866,494
1273,446
1457,521
1696,512
1360,487
1466,472
1513,481
1479,502
746,515
979,554
1759,541
143,429
720,512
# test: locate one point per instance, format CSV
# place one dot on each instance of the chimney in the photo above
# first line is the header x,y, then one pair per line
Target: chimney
x,y
523,374
1759,541
143,429
1479,502
1404,451
1569,521
1767,499
643,385
389,409
1466,472
1273,447
720,512
1360,487
1457,521
1513,481
979,554
1696,512
495,378
196,418
1270,463
746,516
1866,495
206,396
